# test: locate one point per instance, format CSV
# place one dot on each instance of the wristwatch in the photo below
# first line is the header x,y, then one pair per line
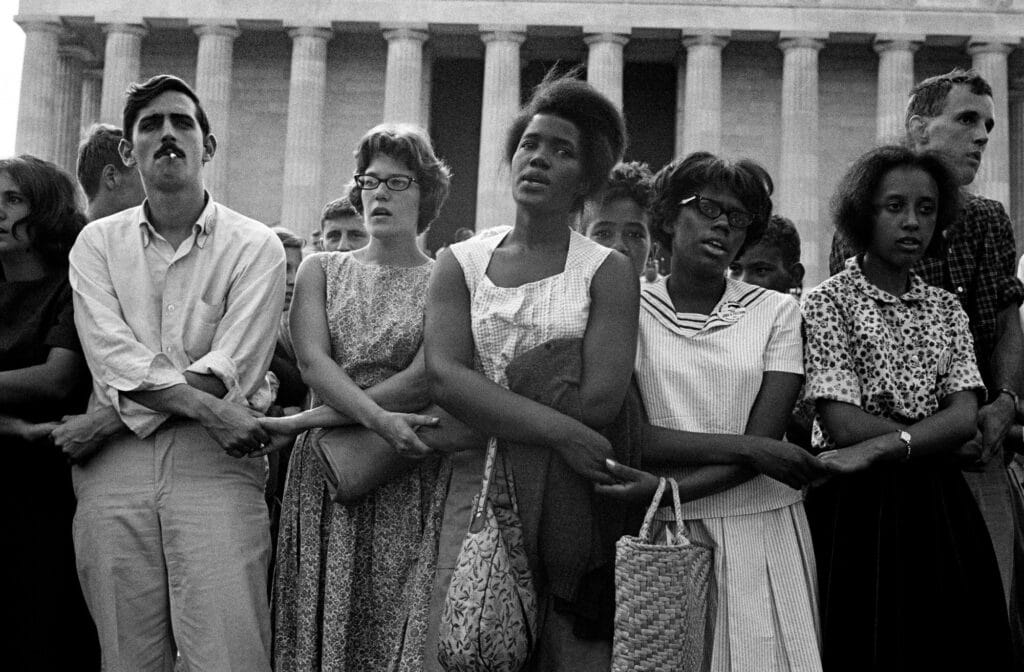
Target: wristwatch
x,y
905,439
1013,395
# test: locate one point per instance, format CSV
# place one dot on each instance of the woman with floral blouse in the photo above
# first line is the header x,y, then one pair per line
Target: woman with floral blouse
x,y
908,578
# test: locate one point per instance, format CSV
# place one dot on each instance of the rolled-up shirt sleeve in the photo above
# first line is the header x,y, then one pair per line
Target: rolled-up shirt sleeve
x,y
828,362
243,343
115,356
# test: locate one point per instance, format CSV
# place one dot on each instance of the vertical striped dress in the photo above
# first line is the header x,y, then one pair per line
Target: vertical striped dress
x,y
702,373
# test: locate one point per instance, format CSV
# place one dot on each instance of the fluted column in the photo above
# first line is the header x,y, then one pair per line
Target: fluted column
x,y
1015,126
302,198
121,65
213,86
494,204
37,105
797,183
702,94
92,93
895,80
993,178
69,104
605,62
403,81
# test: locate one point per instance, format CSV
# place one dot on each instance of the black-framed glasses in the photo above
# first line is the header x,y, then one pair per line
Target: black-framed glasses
x,y
393,183
712,209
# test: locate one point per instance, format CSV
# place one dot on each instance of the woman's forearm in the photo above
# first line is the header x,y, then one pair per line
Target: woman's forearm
x,y
711,479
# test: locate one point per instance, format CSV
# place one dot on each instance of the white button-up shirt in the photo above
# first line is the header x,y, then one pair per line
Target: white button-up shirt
x,y
146,313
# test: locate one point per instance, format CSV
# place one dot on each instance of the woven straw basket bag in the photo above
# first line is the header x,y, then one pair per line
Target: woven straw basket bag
x,y
662,617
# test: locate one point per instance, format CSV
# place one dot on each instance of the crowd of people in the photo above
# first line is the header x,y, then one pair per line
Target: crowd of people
x,y
168,370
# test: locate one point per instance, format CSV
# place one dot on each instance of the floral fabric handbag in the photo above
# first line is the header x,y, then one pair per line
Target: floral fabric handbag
x,y
664,618
489,619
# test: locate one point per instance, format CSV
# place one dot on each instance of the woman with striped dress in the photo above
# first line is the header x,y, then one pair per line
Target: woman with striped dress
x,y
720,359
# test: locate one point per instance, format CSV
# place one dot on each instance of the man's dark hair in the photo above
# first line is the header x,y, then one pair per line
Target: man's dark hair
x,y
602,129
140,95
928,97
746,179
853,205
97,150
338,208
782,235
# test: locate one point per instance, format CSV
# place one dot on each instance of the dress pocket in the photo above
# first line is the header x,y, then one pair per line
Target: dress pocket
x,y
201,328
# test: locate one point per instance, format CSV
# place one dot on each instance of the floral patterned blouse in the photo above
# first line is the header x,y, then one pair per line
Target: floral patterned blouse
x,y
893,356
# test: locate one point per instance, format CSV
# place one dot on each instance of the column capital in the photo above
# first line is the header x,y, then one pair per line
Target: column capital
x,y
405,31
45,24
801,40
310,31
612,38
224,29
897,42
988,45
77,52
706,38
131,28
496,33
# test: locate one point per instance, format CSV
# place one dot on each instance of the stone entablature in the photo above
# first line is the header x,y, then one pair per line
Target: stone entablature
x,y
1002,20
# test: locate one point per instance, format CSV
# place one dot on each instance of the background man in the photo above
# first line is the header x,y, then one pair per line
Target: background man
x,y
109,185
177,304
342,227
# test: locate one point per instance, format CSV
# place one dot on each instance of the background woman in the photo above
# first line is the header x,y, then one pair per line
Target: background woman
x,y
42,377
722,359
493,298
353,580
908,575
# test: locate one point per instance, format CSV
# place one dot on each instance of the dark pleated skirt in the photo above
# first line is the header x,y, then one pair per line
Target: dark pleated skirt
x,y
907,575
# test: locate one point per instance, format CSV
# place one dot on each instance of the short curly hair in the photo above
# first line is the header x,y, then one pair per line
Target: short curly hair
x,y
632,180
601,126
55,217
746,179
336,209
411,145
853,204
782,235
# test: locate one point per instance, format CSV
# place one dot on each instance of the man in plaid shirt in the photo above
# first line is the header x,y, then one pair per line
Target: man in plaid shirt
x,y
952,114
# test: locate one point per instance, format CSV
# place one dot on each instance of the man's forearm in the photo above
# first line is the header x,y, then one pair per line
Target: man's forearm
x,y
1008,353
205,382
178,400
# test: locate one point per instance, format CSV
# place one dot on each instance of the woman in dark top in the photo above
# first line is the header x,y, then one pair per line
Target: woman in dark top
x,y
42,377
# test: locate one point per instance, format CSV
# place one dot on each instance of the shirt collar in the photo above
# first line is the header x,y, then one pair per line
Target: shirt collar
x,y
916,292
202,228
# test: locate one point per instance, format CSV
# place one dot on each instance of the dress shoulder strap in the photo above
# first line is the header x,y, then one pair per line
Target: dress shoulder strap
x,y
474,255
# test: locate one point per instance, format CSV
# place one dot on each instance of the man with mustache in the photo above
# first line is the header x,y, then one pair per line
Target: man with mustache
x,y
952,115
176,303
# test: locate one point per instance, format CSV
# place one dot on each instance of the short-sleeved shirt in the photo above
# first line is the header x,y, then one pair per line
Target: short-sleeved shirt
x,y
702,373
892,356
36,317
978,268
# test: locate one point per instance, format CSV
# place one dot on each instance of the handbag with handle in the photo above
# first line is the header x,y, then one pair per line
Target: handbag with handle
x,y
663,619
489,618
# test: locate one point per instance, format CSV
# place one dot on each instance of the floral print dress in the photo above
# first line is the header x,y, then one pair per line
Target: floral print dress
x,y
352,585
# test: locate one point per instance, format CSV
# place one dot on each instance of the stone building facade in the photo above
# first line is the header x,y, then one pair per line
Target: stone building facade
x,y
803,86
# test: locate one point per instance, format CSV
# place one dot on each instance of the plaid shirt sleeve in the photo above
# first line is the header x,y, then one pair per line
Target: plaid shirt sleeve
x,y
998,286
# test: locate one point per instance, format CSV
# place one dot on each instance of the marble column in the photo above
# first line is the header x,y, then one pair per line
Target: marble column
x,y
895,80
70,66
403,81
494,204
702,93
92,91
796,184
213,86
605,62
1016,131
993,178
303,152
37,105
121,66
